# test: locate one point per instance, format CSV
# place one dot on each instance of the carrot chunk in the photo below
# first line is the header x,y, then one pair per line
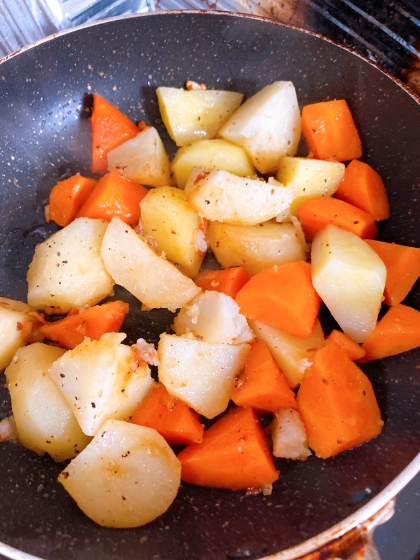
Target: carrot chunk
x,y
398,331
282,296
262,385
228,281
92,322
330,132
110,128
66,198
337,404
354,351
402,268
363,187
316,213
234,454
172,418
114,196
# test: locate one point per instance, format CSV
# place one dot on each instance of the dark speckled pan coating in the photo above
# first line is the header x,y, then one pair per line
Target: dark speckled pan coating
x,y
45,137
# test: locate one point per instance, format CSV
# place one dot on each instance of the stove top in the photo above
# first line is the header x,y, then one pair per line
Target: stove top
x,y
399,538
386,32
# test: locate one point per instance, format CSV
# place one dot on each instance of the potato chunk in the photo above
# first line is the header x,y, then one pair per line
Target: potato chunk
x,y
255,247
223,197
175,227
149,277
67,269
309,178
211,154
213,317
44,420
292,354
289,435
142,159
101,379
350,278
126,477
195,114
267,125
13,317
8,431
199,373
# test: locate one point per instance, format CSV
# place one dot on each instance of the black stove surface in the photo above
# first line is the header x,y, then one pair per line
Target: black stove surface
x,y
399,538
386,32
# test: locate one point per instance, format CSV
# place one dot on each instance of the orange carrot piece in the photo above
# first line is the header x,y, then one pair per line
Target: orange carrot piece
x,y
114,196
398,331
363,187
282,296
172,418
354,351
402,269
330,132
66,198
228,281
337,404
234,454
110,128
262,385
92,322
316,213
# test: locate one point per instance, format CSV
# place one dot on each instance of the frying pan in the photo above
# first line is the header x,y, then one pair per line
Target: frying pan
x,y
45,136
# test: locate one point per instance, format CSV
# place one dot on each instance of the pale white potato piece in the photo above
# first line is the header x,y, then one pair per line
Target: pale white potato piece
x,y
292,354
199,373
14,305
142,159
195,114
126,477
175,227
67,269
299,230
44,420
13,316
255,247
101,380
223,197
267,125
213,317
289,435
211,154
149,277
146,351
309,178
8,431
350,278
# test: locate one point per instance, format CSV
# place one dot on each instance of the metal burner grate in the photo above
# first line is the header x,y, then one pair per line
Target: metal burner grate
x,y
390,34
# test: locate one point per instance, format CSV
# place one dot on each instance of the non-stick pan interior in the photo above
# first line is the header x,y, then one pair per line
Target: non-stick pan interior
x,y
45,136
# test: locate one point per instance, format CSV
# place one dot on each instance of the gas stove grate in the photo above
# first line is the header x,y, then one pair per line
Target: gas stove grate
x,y
388,33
